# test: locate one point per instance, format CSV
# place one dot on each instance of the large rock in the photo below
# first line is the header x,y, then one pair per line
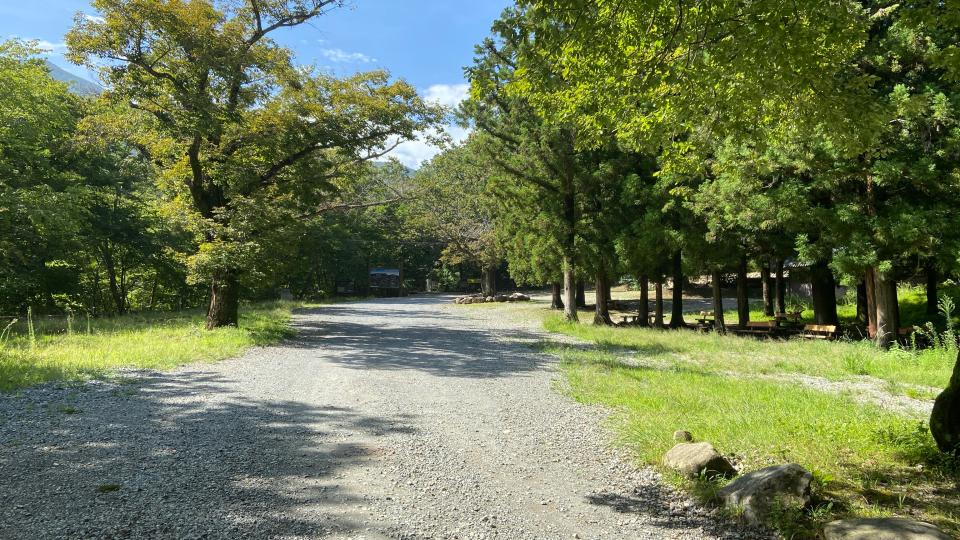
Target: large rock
x,y
694,459
757,492
945,418
882,529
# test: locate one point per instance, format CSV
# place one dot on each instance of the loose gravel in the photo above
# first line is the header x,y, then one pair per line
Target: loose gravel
x,y
403,419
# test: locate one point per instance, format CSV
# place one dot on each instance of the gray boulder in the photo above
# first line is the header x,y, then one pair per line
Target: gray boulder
x,y
757,492
882,529
694,459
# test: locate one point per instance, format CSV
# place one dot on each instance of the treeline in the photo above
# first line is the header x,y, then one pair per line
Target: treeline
x,y
210,169
660,140
88,226
663,139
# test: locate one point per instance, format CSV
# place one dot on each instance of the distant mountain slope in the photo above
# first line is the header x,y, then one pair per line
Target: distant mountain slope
x,y
77,84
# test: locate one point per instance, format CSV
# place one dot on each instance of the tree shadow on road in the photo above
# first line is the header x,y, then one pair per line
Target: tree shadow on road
x,y
157,458
436,349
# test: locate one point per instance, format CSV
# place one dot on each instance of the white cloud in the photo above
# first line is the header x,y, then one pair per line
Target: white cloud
x,y
340,55
94,19
48,46
413,154
448,95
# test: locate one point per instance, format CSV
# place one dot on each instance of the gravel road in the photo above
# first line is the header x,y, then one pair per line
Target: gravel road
x,y
404,418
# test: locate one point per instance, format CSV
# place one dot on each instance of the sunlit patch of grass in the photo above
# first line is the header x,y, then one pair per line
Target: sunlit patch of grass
x,y
866,461
150,341
716,353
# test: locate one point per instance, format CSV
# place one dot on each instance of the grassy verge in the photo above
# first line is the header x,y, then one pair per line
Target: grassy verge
x,y
866,461
152,341
833,360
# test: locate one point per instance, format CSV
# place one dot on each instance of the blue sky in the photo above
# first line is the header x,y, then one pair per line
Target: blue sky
x,y
426,42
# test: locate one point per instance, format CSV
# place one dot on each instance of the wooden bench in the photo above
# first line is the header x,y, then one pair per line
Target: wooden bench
x,y
629,319
759,328
819,331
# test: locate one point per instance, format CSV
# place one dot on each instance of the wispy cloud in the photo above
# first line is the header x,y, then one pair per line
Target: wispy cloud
x,y
340,55
94,19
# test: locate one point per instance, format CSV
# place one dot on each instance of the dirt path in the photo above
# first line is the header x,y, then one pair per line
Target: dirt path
x,y
403,418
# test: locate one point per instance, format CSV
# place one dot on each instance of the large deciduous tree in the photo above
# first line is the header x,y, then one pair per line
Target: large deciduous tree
x,y
245,141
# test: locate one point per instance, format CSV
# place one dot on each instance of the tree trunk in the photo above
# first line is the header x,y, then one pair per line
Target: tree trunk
x,y
658,309
153,291
601,315
824,292
581,294
781,288
569,290
870,287
676,307
897,323
945,419
743,296
488,281
116,293
719,324
886,311
768,292
556,301
644,313
933,280
862,316
224,300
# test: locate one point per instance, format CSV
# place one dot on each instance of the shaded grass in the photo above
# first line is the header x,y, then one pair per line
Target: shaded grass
x,y
715,353
150,341
867,461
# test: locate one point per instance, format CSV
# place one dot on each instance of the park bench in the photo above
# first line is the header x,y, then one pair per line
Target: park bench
x,y
759,328
634,319
819,331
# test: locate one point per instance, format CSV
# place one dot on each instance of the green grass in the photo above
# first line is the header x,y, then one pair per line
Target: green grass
x,y
719,354
152,341
866,461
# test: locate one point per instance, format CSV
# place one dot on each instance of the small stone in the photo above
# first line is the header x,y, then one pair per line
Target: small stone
x,y
882,529
682,436
695,459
